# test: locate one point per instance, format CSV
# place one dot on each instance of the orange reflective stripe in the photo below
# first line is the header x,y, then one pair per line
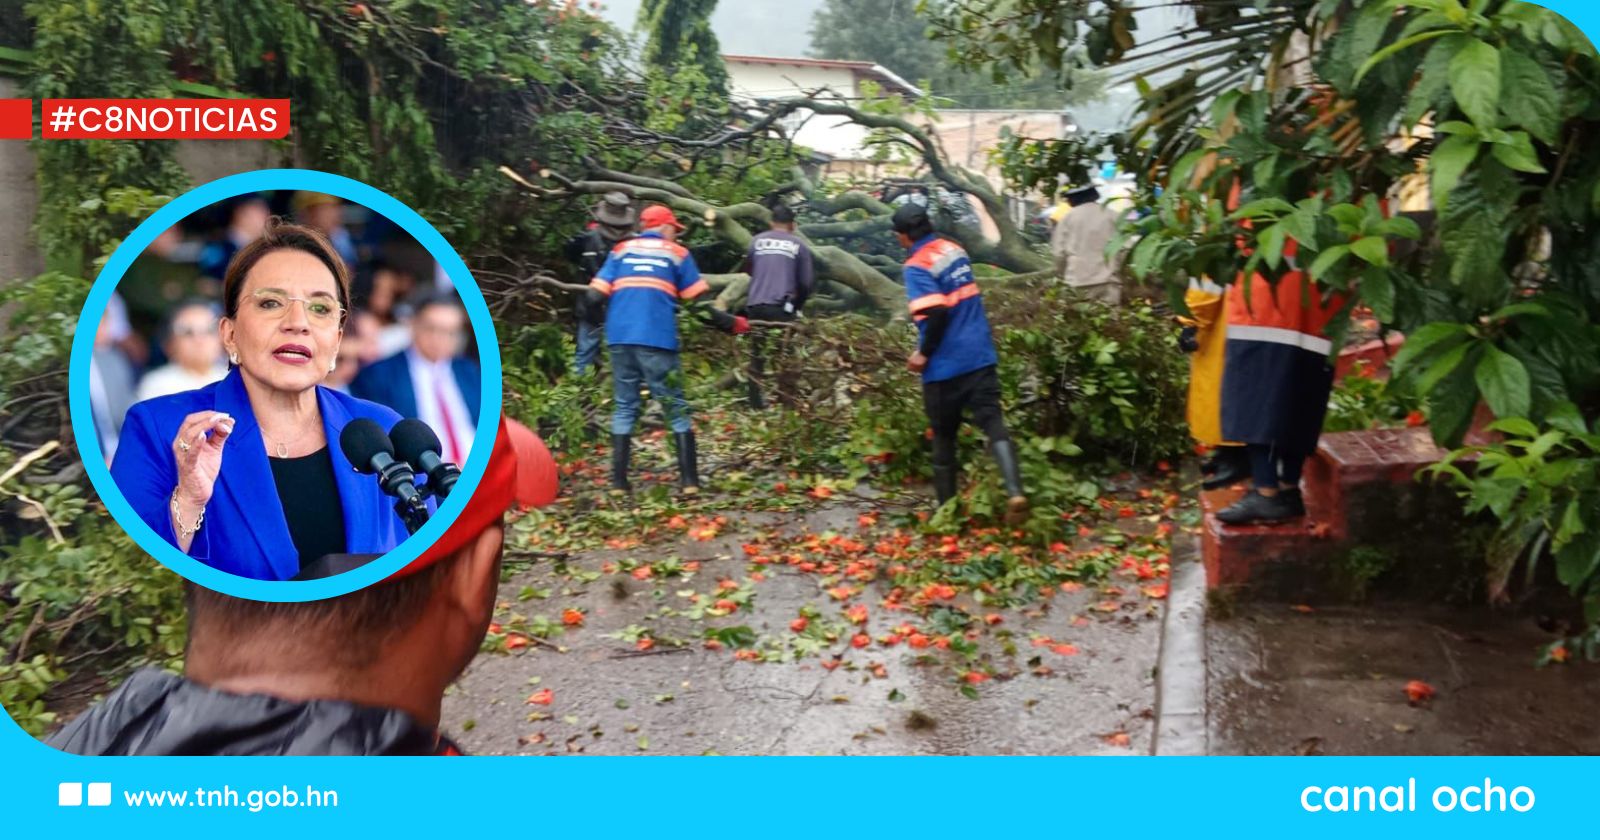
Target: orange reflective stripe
x,y
928,302
601,286
647,283
962,293
699,288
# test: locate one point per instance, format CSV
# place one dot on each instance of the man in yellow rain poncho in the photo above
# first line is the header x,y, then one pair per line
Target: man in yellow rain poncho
x,y
1205,335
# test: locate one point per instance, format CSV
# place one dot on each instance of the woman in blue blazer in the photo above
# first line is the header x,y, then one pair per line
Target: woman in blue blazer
x,y
246,475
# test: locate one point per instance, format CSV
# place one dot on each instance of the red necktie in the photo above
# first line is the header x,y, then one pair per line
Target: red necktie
x,y
451,444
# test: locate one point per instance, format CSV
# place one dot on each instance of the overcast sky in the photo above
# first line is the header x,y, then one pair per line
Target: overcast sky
x,y
745,27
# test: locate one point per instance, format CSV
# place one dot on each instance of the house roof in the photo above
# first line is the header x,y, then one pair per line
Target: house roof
x,y
885,77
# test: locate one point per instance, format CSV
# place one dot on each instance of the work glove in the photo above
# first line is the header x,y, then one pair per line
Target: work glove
x,y
741,325
1189,340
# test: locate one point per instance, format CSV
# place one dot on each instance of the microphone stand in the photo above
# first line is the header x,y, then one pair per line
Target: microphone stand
x,y
413,515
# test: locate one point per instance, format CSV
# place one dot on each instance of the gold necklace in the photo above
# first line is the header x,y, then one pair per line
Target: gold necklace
x,y
283,448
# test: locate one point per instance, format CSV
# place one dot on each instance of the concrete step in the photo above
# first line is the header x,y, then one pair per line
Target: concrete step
x,y
1370,526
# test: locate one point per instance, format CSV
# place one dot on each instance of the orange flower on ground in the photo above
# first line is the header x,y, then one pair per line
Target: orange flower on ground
x,y
857,614
799,625
726,605
1415,419
713,644
747,655
1418,691
1064,650
645,644
572,617
542,697
642,573
860,640
1559,653
918,641
821,491
1117,739
516,642
975,677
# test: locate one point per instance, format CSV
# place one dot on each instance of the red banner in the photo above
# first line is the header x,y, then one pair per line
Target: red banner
x,y
165,119
16,119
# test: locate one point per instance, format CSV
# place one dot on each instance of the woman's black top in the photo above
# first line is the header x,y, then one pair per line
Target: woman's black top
x,y
311,504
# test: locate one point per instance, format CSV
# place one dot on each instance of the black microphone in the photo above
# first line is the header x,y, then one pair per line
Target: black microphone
x,y
371,452
419,446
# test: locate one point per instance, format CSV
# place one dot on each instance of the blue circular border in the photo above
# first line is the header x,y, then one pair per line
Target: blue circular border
x,y
100,295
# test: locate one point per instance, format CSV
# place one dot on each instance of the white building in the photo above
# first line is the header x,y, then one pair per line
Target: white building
x,y
842,143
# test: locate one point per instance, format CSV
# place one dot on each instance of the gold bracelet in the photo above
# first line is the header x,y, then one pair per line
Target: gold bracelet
x,y
177,519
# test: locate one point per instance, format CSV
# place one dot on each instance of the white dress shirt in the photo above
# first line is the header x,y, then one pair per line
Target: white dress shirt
x,y
432,381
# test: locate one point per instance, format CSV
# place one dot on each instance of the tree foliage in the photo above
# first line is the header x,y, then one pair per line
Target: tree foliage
x,y
681,38
894,33
1323,114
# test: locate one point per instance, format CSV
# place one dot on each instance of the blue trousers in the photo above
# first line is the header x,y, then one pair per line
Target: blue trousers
x,y
588,355
632,367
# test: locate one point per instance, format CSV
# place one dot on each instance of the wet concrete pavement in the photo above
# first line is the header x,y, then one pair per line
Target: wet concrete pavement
x,y
1332,681
606,697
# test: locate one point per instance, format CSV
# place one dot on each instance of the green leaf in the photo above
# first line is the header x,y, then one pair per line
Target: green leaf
x,y
1531,99
1528,308
1516,426
1443,367
1272,245
1518,153
1327,260
1571,524
1475,82
1451,404
1449,159
1567,418
1434,78
1377,289
1262,208
1504,383
1348,216
1430,338
1373,249
1405,43
1578,560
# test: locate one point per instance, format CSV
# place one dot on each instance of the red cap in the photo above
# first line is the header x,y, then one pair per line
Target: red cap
x,y
657,215
521,472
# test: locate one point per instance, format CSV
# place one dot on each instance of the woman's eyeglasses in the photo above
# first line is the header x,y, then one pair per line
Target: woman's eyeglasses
x,y
320,310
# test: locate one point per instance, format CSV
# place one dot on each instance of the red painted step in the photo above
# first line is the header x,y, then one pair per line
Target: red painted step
x,y
1360,491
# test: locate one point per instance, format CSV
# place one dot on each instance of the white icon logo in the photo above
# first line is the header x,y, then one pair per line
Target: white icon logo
x,y
70,794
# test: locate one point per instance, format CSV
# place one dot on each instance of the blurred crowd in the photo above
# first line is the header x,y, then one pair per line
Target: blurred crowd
x,y
159,334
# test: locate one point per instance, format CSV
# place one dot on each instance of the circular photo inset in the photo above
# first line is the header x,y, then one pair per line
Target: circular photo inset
x,y
284,377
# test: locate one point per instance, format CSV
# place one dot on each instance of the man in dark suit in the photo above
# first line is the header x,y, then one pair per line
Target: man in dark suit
x,y
431,380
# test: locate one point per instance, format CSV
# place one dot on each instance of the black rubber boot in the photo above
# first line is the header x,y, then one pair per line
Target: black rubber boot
x,y
1233,466
1005,455
688,462
755,400
944,470
1256,508
621,454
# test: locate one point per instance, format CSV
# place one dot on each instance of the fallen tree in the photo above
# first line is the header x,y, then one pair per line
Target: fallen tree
x,y
846,276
